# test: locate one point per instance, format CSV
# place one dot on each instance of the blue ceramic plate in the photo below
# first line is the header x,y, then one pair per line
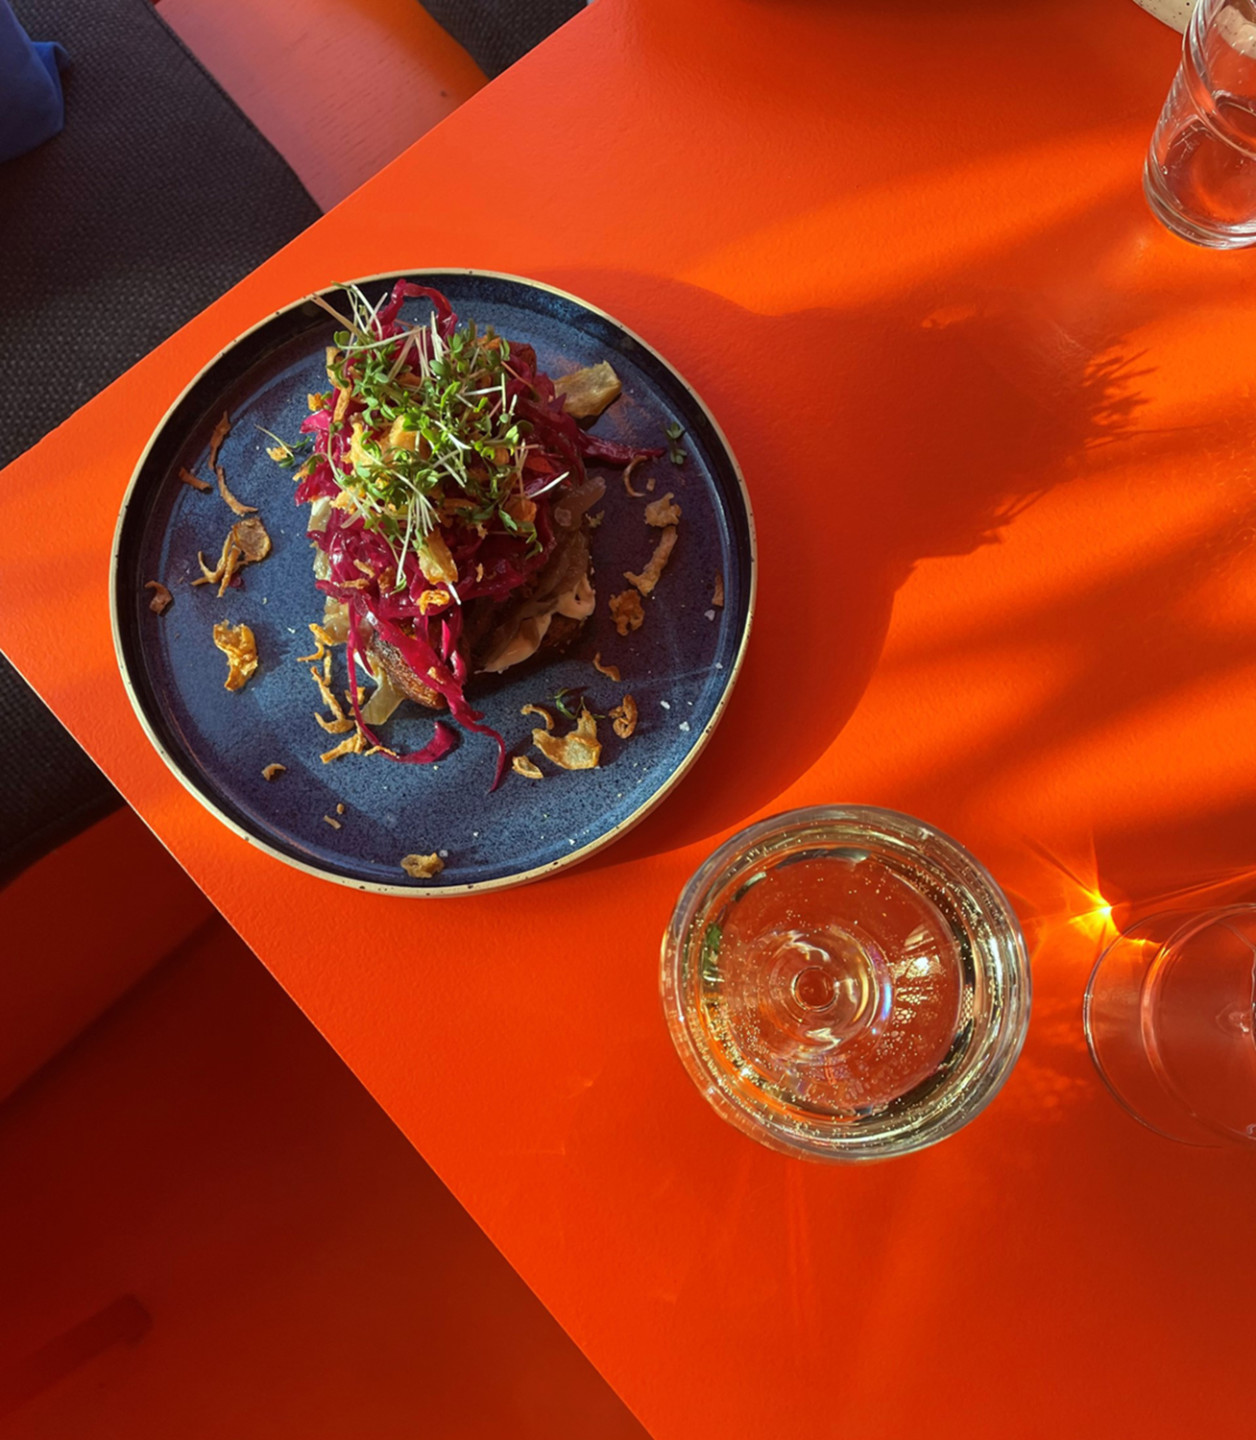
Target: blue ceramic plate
x,y
679,667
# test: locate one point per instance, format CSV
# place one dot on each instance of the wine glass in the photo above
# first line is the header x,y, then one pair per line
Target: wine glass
x,y
1169,1015
845,983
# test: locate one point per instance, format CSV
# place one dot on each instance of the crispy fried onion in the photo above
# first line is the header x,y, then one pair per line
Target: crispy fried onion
x,y
162,598
662,512
247,542
323,640
238,506
649,577
541,711
194,481
434,600
627,477
717,595
422,867
251,538
521,765
352,746
624,717
240,648
610,671
269,772
626,611
339,722
220,433
579,749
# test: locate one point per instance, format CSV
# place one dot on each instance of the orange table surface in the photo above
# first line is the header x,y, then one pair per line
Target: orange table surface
x,y
999,433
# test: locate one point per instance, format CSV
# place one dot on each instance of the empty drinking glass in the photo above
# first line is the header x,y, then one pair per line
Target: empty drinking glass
x,y
1200,175
1169,1017
845,983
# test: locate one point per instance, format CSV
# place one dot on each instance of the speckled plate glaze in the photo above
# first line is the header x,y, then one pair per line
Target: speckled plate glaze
x,y
680,666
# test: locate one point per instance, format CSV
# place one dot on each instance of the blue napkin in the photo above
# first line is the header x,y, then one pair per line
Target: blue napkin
x,y
31,108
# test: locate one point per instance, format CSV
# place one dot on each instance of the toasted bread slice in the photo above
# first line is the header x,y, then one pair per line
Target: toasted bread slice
x,y
400,676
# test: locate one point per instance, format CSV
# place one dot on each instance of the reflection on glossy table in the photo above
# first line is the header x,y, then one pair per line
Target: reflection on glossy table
x,y
999,431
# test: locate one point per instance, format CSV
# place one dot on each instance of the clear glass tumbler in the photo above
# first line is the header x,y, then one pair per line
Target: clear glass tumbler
x,y
1170,1018
845,983
1200,175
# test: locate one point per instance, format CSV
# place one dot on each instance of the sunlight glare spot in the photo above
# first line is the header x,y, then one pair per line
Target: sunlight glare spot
x,y
1096,921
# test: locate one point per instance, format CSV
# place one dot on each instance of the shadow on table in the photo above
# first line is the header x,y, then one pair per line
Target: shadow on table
x,y
929,424
1193,860
930,421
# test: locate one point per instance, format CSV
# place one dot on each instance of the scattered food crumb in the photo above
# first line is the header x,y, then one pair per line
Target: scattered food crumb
x,y
710,614
270,771
422,867
340,809
662,512
717,595
666,704
624,717
335,824
684,725
627,612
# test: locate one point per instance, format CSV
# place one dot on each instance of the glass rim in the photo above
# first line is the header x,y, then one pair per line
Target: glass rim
x,y
993,1054
1164,928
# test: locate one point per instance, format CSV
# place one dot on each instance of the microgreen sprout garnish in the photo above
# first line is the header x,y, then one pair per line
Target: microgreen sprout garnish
x,y
563,699
281,452
675,452
570,701
433,429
